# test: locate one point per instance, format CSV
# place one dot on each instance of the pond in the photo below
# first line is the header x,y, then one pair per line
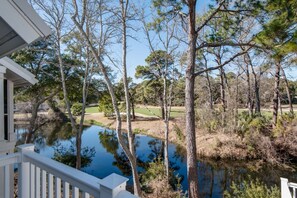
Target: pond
x,y
214,176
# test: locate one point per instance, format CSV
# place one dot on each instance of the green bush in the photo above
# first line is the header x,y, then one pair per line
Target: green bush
x,y
105,105
154,180
76,109
284,122
247,123
252,189
209,120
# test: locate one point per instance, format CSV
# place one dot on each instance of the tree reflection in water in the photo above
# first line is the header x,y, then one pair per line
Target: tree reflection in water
x,y
67,154
109,141
51,135
214,176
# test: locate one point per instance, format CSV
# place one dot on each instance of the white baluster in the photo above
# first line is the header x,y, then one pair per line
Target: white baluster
x,y
7,178
57,187
65,189
85,195
32,181
43,184
37,182
50,186
75,192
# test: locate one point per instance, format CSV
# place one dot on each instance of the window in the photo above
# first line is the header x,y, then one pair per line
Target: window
x,y
5,111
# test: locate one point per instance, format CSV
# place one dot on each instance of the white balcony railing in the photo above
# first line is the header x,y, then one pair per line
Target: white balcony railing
x,y
288,189
40,176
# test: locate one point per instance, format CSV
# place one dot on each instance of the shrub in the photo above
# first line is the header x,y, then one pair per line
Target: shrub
x,y
154,181
179,133
284,123
252,189
76,109
261,146
209,120
255,123
105,105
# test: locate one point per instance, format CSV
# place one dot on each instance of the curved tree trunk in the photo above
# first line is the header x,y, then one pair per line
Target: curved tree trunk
x,y
122,142
65,94
137,189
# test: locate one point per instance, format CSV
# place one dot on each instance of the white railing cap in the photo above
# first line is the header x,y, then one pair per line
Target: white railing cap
x,y
293,185
114,180
26,147
125,194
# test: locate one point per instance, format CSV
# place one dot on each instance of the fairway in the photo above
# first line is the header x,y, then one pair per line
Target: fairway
x,y
156,111
148,111
92,110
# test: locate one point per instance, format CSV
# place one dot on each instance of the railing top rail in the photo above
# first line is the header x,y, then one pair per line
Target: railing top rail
x,y
292,185
9,159
83,181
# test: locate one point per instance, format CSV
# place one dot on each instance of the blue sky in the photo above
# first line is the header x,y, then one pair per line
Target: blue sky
x,y
138,49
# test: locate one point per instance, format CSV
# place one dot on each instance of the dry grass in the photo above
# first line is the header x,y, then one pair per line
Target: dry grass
x,y
214,145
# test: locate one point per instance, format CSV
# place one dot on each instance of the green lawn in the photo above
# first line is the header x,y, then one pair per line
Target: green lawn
x,y
268,113
92,110
155,111
149,111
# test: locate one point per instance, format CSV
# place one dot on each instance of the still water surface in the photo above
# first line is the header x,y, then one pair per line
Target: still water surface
x,y
214,177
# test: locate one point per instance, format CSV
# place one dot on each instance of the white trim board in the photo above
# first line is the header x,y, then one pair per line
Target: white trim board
x,y
23,19
18,70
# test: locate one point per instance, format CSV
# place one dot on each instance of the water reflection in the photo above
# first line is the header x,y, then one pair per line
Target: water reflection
x,y
214,177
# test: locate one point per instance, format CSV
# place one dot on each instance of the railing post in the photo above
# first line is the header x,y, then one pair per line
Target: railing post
x,y
111,185
24,171
285,191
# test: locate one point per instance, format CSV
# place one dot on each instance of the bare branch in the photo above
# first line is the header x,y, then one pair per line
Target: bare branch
x,y
223,64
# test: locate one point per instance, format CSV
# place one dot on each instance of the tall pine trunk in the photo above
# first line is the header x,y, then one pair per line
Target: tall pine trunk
x,y
223,95
288,92
257,95
256,87
248,81
192,172
275,99
209,91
